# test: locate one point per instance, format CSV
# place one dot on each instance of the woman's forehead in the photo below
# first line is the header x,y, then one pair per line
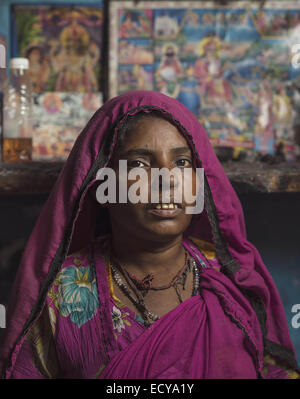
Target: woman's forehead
x,y
153,131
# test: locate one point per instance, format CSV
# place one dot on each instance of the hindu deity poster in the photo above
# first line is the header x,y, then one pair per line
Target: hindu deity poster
x,y
230,65
63,44
58,118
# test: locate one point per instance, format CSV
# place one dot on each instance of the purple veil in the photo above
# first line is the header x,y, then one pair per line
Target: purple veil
x,y
67,223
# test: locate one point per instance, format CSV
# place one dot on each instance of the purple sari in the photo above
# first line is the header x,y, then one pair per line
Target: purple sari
x,y
65,321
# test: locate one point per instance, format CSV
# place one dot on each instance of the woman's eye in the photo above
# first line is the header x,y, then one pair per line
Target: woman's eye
x,y
183,162
136,164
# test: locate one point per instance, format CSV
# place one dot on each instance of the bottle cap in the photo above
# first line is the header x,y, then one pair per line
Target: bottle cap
x,y
19,63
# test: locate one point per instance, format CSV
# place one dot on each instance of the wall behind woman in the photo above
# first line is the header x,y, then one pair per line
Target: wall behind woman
x,y
273,226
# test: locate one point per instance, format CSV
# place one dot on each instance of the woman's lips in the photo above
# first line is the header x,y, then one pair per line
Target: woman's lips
x,y
165,213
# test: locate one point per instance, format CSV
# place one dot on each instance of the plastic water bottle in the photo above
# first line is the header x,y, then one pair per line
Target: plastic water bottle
x,y
17,108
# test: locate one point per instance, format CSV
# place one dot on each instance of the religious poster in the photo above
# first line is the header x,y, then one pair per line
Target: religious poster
x,y
63,44
230,65
58,118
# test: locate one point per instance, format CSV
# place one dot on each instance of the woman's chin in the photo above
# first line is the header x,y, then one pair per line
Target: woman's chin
x,y
164,230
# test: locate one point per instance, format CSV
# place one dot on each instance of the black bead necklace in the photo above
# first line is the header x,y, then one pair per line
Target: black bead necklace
x,y
139,303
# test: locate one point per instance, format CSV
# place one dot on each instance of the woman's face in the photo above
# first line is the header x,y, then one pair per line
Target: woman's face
x,y
152,143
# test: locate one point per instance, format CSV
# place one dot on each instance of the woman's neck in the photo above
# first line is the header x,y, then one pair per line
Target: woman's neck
x,y
142,258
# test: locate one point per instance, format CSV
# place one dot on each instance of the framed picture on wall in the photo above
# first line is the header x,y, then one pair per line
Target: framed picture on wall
x,y
63,44
230,65
58,118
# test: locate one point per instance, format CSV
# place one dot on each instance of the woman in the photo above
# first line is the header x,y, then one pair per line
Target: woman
x,y
144,290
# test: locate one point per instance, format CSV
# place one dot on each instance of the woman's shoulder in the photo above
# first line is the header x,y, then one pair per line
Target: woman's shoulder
x,y
78,258
76,271
83,257
207,248
208,251
73,295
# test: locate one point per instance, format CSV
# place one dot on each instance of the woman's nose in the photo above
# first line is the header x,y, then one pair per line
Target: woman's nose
x,y
165,177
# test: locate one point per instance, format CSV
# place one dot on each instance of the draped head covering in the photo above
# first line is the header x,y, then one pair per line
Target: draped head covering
x,y
67,223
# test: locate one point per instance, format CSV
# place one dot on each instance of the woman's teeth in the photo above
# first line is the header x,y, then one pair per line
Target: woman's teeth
x,y
166,206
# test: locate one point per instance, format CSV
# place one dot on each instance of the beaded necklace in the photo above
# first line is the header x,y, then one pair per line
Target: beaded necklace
x,y
139,303
145,285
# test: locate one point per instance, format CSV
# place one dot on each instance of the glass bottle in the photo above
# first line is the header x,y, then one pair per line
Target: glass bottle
x,y
17,109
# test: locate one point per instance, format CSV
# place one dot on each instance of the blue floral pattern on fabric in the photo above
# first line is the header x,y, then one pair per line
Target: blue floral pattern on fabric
x,y
77,294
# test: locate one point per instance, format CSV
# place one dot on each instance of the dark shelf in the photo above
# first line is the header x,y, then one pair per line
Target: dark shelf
x,y
39,177
264,178
28,177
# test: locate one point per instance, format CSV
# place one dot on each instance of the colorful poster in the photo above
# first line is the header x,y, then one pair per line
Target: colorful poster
x,y
135,23
63,44
58,118
231,66
135,51
135,77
